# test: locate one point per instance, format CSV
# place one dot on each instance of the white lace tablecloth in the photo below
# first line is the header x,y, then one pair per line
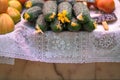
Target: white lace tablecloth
x,y
64,47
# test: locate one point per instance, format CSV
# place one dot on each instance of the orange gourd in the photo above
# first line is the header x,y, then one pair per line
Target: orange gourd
x,y
6,23
14,14
16,4
3,5
107,6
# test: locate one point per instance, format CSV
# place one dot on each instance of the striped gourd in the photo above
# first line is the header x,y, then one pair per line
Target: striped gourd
x,y
32,13
50,10
64,12
81,12
31,3
56,26
40,23
74,25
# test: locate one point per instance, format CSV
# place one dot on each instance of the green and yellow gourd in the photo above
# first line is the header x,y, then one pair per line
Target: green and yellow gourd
x,y
90,26
31,3
74,25
81,12
56,26
64,12
41,24
83,15
50,10
32,13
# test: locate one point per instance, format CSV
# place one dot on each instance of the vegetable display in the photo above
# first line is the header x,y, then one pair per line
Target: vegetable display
x,y
6,23
64,12
9,15
32,13
41,24
81,12
74,25
50,10
31,3
3,5
14,14
61,16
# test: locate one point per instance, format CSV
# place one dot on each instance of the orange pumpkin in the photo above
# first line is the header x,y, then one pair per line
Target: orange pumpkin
x,y
6,23
107,6
3,5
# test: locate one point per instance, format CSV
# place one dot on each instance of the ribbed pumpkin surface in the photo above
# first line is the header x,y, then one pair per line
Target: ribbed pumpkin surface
x,y
6,23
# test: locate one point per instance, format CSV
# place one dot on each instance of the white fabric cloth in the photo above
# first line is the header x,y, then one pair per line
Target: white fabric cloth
x,y
64,47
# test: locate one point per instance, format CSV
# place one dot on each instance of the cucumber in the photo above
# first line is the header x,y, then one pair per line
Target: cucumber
x,y
64,12
32,13
31,3
81,12
90,26
74,25
41,23
50,10
56,26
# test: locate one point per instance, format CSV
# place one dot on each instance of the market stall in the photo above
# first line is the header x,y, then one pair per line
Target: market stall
x,y
98,45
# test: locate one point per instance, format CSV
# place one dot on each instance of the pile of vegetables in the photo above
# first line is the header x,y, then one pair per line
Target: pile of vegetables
x,y
9,14
55,15
58,16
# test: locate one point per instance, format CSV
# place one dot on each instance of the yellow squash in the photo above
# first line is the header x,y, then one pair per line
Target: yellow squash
x,y
6,23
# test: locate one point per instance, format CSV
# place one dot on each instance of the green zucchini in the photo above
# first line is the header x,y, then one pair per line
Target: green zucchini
x,y
64,12
31,3
32,13
41,23
90,26
74,25
81,12
56,26
50,10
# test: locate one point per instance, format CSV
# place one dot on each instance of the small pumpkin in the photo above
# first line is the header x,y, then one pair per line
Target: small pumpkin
x,y
6,23
107,6
16,4
3,5
14,14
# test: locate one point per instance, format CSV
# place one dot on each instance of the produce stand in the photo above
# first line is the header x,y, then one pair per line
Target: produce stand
x,y
63,47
